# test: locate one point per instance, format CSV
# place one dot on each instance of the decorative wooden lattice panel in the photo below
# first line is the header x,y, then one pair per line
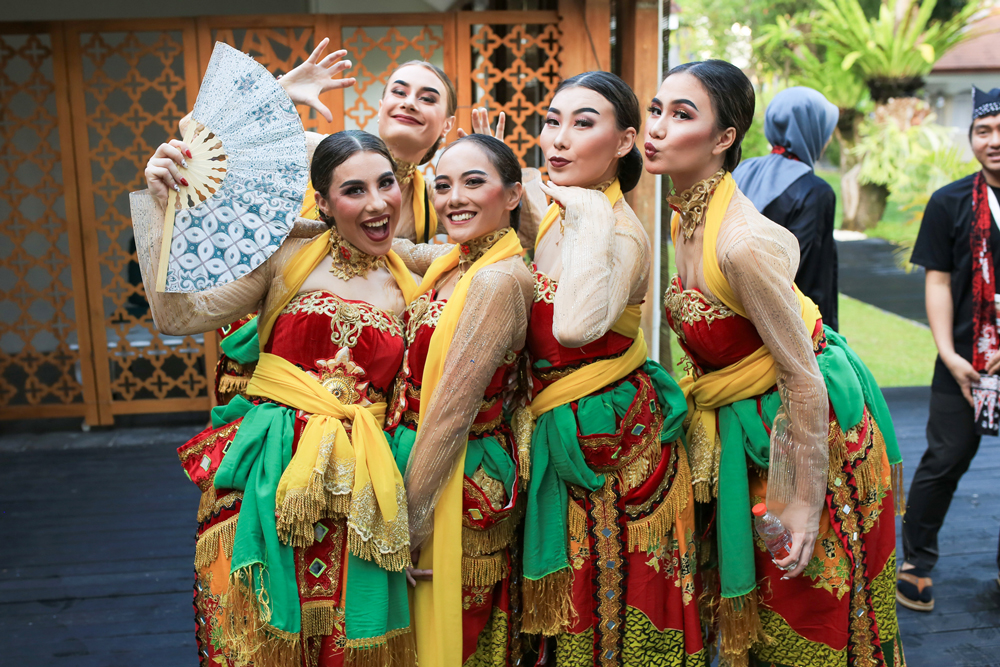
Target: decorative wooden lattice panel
x,y
76,335
514,69
39,345
376,52
279,49
130,87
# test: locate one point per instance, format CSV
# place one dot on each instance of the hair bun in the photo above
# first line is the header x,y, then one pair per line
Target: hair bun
x,y
630,169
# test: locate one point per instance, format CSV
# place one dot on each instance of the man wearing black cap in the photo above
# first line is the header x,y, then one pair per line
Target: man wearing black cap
x,y
959,245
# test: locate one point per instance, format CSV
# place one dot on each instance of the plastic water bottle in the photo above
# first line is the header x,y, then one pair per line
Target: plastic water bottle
x,y
776,537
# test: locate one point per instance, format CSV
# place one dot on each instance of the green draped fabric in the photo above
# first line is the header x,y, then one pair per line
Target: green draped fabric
x,y
258,455
556,460
242,345
375,600
851,388
486,451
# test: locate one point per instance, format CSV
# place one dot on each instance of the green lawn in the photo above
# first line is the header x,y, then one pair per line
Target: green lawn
x,y
899,352
896,225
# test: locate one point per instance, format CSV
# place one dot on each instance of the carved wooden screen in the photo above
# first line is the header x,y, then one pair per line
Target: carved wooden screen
x,y
43,308
76,335
130,83
279,43
512,60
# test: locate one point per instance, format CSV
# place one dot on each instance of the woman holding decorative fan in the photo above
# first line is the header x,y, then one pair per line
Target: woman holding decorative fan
x,y
464,332
303,530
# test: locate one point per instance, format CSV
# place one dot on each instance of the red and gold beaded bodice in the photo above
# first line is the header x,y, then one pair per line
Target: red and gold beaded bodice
x,y
712,335
353,348
550,360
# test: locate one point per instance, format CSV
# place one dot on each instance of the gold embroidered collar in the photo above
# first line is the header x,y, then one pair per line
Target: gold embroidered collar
x,y
348,261
470,251
692,204
404,170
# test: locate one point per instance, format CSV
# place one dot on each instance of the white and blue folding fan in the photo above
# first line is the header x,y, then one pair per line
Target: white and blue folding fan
x,y
246,178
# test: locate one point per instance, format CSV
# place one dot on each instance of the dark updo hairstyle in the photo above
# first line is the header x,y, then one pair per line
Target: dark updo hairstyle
x,y
732,98
334,151
627,115
503,160
451,103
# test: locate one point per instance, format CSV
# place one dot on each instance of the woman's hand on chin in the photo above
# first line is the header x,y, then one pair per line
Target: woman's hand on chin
x,y
481,124
315,76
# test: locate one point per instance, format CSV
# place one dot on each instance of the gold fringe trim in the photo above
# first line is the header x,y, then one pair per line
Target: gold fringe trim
x,y
243,617
394,562
300,510
207,502
211,504
522,425
233,384
399,649
739,628
319,618
206,549
637,471
651,531
484,570
577,523
493,539
705,452
548,603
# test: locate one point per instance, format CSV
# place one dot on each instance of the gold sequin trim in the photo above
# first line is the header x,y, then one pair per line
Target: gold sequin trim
x,y
690,306
692,204
347,320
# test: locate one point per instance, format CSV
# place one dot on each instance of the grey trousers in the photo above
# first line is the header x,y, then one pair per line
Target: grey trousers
x,y
952,443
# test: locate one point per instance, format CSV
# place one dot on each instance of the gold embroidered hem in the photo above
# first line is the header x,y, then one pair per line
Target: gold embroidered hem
x,y
221,535
692,204
350,262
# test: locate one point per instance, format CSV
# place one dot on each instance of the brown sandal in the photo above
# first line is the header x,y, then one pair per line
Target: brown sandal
x,y
914,589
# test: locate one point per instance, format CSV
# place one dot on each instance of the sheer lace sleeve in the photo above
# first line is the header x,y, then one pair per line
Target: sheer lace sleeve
x,y
419,256
534,205
605,256
759,259
494,321
184,314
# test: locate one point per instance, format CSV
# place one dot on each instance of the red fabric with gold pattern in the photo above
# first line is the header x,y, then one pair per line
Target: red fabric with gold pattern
x,y
638,606
543,344
712,335
355,350
489,516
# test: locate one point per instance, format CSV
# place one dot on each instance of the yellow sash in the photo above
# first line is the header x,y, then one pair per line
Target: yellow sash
x,y
751,376
590,378
326,458
614,193
300,494
438,603
420,197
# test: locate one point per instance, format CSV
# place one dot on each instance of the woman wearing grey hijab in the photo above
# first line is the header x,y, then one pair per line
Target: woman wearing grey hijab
x,y
783,186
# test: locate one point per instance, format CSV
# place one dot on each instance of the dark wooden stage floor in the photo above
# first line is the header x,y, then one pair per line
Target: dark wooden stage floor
x,y
96,545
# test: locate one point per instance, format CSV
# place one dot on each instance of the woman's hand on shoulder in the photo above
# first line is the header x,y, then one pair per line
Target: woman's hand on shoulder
x,y
481,124
161,169
315,76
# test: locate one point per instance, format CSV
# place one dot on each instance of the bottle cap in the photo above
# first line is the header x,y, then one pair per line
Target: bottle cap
x,y
760,509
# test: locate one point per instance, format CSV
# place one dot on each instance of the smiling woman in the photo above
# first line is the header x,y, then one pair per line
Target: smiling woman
x,y
465,333
298,480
